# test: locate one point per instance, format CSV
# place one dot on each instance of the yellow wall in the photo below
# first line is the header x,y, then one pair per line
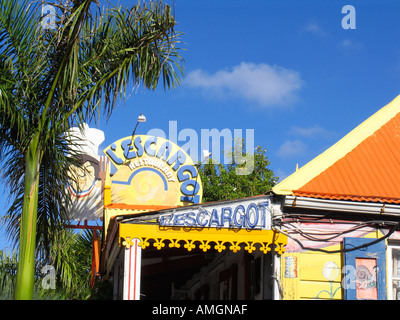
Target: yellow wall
x,y
309,282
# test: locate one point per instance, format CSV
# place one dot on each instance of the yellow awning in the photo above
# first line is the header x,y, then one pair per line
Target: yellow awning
x,y
221,238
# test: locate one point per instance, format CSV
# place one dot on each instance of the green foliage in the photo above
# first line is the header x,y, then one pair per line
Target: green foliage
x,y
222,182
8,272
53,79
70,255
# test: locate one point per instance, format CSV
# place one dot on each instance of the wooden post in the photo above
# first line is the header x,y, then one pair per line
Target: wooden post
x,y
95,258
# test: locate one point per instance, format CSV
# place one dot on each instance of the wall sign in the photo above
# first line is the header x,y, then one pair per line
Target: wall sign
x,y
153,171
246,214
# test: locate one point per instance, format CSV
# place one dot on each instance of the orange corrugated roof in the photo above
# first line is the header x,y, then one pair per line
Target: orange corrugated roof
x,y
369,172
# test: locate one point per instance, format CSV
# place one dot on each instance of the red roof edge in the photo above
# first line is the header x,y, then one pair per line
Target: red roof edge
x,y
346,197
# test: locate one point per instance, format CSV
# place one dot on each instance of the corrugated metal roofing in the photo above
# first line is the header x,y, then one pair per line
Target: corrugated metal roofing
x,y
369,172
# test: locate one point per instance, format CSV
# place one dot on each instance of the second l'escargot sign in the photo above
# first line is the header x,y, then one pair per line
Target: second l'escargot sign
x,y
153,171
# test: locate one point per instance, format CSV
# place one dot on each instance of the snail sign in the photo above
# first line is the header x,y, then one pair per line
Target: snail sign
x,y
153,171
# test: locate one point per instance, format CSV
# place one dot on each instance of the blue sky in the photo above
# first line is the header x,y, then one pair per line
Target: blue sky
x,y
286,69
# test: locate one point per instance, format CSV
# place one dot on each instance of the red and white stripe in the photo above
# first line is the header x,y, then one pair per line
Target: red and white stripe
x,y
132,268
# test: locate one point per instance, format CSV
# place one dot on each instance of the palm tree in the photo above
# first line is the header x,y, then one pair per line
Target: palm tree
x,y
51,79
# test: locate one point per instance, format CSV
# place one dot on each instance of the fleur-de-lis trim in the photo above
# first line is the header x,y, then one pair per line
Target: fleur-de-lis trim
x,y
174,244
127,243
159,244
235,247
219,246
204,246
189,245
264,240
250,247
279,248
144,243
265,248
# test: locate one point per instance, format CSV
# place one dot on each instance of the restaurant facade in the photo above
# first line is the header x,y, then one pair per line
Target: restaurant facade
x,y
328,231
162,242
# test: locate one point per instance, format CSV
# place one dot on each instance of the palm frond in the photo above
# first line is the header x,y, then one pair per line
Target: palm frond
x,y
50,80
122,47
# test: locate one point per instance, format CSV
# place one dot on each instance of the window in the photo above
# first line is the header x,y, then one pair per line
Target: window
x,y
394,271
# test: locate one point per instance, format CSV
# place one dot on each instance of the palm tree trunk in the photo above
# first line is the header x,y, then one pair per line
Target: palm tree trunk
x,y
27,240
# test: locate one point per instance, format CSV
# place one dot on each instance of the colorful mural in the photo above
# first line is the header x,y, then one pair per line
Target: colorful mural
x,y
366,278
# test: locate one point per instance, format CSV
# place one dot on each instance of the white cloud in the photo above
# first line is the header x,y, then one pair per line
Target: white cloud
x,y
315,29
346,43
262,84
351,44
292,148
310,132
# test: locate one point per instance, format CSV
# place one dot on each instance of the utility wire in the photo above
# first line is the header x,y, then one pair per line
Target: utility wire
x,y
394,228
310,236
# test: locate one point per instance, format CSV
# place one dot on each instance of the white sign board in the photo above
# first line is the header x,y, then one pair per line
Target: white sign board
x,y
248,213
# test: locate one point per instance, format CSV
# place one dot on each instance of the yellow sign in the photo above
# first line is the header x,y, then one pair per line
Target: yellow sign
x,y
153,171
